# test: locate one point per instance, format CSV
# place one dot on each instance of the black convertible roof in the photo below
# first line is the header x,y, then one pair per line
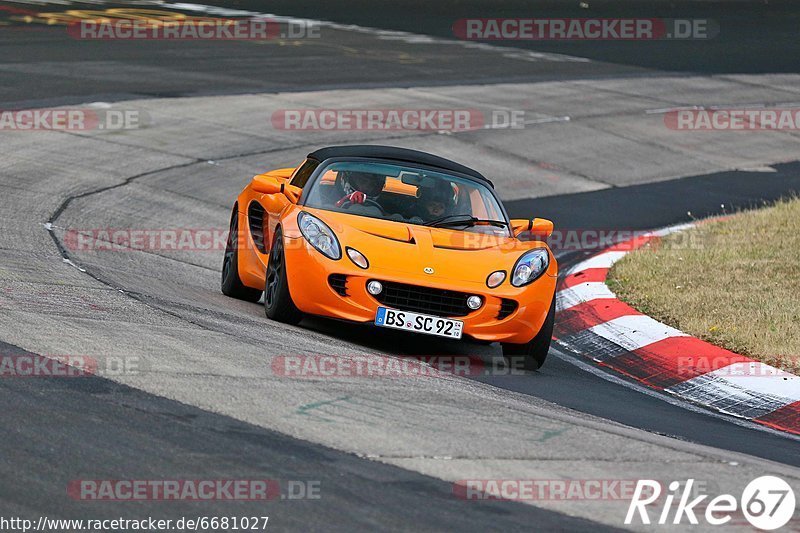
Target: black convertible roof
x,y
396,154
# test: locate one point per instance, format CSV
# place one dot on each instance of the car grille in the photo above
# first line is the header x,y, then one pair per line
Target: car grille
x,y
507,307
439,302
338,283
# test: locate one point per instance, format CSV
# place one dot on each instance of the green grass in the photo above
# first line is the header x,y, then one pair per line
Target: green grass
x,y
733,282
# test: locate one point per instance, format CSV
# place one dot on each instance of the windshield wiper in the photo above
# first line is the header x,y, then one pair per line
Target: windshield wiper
x,y
463,220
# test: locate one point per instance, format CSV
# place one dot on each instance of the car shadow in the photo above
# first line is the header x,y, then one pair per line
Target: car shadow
x,y
465,357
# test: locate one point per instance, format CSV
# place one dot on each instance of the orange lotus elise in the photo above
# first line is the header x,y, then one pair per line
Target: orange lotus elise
x,y
397,238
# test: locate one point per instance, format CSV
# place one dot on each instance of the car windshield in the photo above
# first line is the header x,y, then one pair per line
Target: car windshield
x,y
407,194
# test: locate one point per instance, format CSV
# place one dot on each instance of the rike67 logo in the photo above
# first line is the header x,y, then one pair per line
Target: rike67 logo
x,y
768,503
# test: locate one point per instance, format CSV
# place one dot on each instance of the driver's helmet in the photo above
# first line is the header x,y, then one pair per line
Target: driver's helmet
x,y
370,184
435,202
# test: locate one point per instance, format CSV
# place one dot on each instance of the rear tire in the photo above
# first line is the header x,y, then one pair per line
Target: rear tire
x,y
278,304
534,353
231,284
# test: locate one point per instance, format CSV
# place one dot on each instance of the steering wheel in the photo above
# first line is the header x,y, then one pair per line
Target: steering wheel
x,y
347,204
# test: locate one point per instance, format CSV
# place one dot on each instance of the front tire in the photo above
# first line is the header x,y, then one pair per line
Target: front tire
x,y
231,284
534,353
278,304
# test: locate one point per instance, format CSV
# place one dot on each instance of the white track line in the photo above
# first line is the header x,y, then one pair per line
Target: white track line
x,y
602,260
579,294
635,331
754,378
672,400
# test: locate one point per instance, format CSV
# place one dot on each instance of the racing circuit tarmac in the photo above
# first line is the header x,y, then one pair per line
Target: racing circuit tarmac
x,y
204,403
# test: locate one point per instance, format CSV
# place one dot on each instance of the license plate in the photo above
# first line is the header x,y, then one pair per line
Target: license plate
x,y
417,322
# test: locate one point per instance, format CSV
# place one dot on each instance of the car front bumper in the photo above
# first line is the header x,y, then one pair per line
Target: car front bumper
x,y
308,274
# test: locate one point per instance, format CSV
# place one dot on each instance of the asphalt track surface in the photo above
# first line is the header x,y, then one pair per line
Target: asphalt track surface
x,y
118,427
62,429
750,32
44,65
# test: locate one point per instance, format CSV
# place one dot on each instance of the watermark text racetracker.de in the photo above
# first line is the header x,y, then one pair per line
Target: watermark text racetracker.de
x,y
383,366
396,119
583,29
147,239
68,366
192,29
216,239
730,119
74,120
737,366
545,489
243,490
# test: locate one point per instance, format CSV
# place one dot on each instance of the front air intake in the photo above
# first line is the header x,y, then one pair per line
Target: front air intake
x,y
338,283
255,220
439,302
507,308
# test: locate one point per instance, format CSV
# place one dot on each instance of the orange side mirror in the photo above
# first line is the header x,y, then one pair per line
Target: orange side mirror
x,y
268,185
265,185
539,227
519,225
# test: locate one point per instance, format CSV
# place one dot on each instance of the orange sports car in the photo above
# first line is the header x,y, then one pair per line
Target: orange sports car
x,y
397,238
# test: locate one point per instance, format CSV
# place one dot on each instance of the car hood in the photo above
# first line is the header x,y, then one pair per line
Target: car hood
x,y
413,249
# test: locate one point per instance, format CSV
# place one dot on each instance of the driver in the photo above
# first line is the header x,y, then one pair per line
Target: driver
x,y
435,202
361,186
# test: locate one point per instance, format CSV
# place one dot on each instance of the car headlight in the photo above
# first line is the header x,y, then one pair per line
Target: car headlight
x,y
530,266
319,235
